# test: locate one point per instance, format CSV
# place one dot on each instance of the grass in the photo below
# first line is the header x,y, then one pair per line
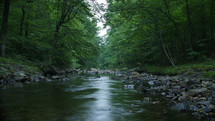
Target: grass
x,y
207,69
11,63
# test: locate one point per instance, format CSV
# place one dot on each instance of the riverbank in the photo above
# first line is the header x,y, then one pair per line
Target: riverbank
x,y
22,71
186,92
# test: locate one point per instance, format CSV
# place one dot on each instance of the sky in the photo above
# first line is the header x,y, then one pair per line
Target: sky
x,y
100,24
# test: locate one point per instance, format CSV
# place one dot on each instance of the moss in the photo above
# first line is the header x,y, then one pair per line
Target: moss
x,y
11,64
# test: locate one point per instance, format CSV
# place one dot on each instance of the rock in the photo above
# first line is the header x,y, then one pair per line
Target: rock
x,y
156,102
129,86
65,79
134,73
147,99
183,98
213,86
200,110
205,103
177,87
94,69
151,83
49,70
56,77
48,80
193,108
206,84
194,92
197,115
2,69
211,106
163,93
180,107
207,110
19,74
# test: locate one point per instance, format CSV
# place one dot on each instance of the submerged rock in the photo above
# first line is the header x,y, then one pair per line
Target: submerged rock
x,y
129,86
147,99
180,107
56,77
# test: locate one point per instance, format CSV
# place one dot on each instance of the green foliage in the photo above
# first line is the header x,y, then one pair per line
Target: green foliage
x,y
209,74
206,69
11,63
156,32
32,26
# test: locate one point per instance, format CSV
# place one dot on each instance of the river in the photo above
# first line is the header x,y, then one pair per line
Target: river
x,y
83,98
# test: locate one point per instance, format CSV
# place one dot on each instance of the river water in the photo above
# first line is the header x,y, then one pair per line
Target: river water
x,y
83,98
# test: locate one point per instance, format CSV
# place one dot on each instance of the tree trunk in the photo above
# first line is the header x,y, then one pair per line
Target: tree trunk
x,y
54,42
212,3
203,22
4,26
166,50
26,29
167,53
22,21
190,35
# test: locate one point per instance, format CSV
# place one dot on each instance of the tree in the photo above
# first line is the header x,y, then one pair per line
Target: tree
x,y
4,26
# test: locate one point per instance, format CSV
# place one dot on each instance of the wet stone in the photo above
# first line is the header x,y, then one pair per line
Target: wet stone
x,y
193,108
194,92
213,86
180,107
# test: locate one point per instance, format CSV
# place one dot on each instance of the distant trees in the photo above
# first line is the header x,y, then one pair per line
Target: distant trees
x,y
159,32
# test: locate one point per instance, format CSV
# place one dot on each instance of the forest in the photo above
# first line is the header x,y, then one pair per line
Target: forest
x,y
159,32
59,33
142,33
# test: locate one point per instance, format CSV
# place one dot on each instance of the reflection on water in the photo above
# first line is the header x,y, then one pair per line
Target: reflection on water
x,y
100,109
82,99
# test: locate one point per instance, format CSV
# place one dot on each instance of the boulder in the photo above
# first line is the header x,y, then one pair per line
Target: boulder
x,y
49,71
151,83
147,99
213,86
134,73
94,69
194,92
56,77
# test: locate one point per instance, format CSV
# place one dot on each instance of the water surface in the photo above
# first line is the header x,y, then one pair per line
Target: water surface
x,y
82,98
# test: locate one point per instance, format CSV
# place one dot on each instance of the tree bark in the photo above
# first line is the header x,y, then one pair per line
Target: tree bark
x,y
66,12
4,26
54,43
190,35
167,53
203,21
26,29
22,21
212,11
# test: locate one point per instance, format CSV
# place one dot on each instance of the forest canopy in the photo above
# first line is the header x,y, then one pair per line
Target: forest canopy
x,y
64,33
159,32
